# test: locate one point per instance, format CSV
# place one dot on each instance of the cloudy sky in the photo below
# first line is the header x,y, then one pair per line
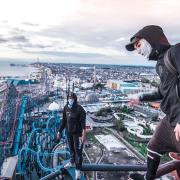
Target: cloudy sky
x,y
81,31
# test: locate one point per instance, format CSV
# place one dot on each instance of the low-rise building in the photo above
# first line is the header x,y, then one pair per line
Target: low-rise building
x,y
125,87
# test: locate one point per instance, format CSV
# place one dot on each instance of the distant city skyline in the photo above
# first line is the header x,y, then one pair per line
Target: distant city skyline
x,y
81,31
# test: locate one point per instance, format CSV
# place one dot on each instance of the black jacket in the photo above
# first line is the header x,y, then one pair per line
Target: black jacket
x,y
167,92
74,119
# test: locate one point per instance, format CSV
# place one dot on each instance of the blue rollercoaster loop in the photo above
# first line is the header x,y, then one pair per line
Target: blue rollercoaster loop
x,y
41,145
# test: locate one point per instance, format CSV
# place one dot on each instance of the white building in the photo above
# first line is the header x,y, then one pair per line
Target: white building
x,y
125,87
87,85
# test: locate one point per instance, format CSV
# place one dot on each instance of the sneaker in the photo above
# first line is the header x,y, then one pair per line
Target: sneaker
x,y
68,165
136,176
77,174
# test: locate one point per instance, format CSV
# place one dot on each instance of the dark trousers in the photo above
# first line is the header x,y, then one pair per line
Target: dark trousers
x,y
76,148
163,141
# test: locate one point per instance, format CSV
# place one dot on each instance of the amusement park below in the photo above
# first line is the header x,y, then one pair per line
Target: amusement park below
x,y
30,117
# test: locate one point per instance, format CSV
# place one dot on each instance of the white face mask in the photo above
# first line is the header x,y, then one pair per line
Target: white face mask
x,y
144,48
70,103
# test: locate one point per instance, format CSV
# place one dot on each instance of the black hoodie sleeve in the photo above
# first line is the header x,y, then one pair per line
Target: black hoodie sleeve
x,y
175,59
83,118
154,96
64,121
174,55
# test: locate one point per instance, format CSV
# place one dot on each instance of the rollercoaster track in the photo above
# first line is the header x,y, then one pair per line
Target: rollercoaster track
x,y
40,163
4,110
4,100
36,145
8,121
20,125
40,136
15,122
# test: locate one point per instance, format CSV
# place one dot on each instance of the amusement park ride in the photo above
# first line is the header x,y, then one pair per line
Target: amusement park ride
x,y
32,140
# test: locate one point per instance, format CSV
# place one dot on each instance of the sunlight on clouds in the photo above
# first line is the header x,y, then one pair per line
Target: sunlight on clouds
x,y
120,39
80,26
59,44
6,52
45,12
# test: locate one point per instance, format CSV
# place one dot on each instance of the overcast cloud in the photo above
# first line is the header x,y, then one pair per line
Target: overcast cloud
x,y
81,31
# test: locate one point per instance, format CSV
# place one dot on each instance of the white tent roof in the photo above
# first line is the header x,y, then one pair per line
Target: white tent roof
x,y
53,107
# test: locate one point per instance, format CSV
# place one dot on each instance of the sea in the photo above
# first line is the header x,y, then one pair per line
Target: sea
x,y
16,69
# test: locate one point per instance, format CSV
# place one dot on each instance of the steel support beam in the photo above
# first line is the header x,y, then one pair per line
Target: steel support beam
x,y
102,167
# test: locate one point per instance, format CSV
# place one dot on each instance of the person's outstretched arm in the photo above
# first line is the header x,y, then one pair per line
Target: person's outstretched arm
x,y
154,96
137,98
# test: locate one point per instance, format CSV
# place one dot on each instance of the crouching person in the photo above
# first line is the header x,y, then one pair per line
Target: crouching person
x,y
152,43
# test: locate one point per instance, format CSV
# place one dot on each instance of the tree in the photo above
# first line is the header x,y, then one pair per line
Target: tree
x,y
104,112
154,83
155,118
146,129
120,125
144,80
126,110
99,86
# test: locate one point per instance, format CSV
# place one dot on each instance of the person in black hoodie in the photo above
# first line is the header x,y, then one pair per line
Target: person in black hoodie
x,y
74,120
152,43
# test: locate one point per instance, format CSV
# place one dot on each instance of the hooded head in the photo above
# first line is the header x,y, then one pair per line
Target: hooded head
x,y
155,36
72,100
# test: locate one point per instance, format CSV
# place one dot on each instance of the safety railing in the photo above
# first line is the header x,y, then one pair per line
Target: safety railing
x,y
162,170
